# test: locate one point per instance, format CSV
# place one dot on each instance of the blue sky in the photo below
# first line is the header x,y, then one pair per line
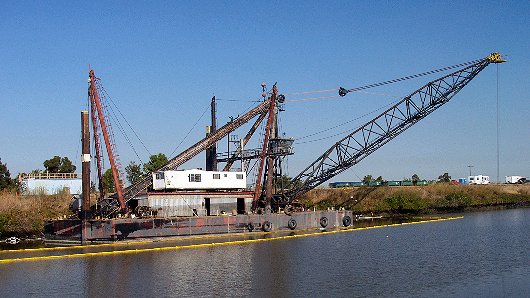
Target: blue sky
x,y
161,62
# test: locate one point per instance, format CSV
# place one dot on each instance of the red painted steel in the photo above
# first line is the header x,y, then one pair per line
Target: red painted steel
x,y
94,97
97,144
270,120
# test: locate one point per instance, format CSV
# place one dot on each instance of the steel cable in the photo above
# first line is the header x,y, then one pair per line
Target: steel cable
x,y
408,77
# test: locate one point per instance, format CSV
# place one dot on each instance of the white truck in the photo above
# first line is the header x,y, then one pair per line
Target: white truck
x,y
515,179
479,179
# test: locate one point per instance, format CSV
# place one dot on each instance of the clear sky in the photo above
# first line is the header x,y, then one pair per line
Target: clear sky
x,y
162,61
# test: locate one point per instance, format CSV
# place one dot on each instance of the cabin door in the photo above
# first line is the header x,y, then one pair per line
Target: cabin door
x,y
207,206
240,205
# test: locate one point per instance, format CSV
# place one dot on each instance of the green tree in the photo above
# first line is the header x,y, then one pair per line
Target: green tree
x,y
379,179
59,164
5,177
133,172
53,164
66,166
367,179
444,178
283,181
156,161
415,179
108,181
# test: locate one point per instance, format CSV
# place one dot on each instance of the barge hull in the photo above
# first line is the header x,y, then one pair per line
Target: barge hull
x,y
121,229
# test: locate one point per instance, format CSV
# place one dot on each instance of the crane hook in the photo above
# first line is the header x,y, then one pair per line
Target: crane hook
x,y
343,92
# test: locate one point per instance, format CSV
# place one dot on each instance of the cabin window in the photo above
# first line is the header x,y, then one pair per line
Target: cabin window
x,y
239,176
159,175
195,177
216,176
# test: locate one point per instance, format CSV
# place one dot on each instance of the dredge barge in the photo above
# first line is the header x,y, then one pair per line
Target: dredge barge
x,y
175,202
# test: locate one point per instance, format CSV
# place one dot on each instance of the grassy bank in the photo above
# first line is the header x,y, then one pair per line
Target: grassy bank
x,y
24,216
433,198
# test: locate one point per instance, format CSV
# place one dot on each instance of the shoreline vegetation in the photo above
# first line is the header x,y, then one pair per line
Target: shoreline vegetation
x,y
420,200
24,216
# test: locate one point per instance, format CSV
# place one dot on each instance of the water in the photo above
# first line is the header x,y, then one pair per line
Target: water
x,y
484,254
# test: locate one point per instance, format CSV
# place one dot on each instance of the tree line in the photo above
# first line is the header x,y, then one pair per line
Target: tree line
x,y
55,164
368,179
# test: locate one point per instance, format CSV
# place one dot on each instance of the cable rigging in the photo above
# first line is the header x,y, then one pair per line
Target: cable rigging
x,y
343,91
106,95
339,125
191,129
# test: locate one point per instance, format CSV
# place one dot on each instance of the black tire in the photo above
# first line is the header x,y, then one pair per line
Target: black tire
x,y
346,221
266,226
291,224
324,221
250,227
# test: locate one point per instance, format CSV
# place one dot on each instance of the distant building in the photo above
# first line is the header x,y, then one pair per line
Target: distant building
x,y
50,183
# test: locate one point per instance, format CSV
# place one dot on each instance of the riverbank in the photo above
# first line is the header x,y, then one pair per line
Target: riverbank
x,y
429,199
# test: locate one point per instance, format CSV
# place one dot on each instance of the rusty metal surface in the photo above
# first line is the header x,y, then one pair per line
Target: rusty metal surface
x,y
120,229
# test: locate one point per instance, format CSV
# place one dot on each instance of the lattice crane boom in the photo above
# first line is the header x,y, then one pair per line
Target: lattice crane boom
x,y
371,136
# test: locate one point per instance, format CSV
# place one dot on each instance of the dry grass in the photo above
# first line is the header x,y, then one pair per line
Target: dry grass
x,y
417,199
25,215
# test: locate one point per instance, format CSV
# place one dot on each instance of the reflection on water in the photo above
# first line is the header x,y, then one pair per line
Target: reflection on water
x,y
484,254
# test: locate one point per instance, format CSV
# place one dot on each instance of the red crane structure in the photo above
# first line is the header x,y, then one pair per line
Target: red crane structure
x,y
345,153
101,123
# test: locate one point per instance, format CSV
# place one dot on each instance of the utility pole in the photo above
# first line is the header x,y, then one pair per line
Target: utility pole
x,y
85,175
470,169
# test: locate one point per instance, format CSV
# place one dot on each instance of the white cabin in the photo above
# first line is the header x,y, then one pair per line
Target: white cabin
x,y
479,179
198,180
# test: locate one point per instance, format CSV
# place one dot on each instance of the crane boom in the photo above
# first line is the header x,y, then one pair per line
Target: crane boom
x,y
96,106
371,136
197,148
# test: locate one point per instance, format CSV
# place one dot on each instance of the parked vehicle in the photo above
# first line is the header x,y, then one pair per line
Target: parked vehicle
x,y
515,179
479,179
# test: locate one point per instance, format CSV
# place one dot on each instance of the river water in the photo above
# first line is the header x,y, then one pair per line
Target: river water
x,y
485,254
